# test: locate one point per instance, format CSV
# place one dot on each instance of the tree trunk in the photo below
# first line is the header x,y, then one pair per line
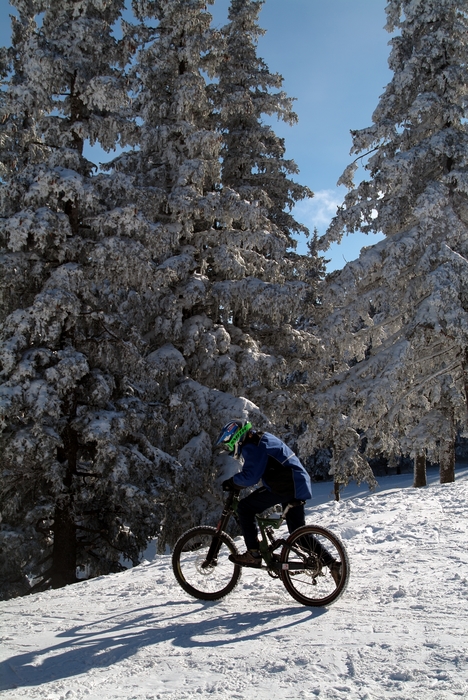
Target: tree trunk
x,y
447,461
336,489
63,570
420,471
64,550
465,377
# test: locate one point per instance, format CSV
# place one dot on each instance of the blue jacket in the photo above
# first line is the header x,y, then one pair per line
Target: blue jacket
x,y
268,458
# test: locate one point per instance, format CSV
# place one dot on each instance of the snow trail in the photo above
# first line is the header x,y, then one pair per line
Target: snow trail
x,y
399,631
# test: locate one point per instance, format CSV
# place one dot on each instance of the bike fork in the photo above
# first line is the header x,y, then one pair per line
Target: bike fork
x,y
212,556
213,551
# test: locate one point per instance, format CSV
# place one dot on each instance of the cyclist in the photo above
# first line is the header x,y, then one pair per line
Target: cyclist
x,y
284,479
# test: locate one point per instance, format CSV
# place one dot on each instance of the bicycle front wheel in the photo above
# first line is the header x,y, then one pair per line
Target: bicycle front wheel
x,y
305,571
201,565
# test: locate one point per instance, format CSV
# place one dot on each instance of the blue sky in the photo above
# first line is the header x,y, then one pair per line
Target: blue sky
x,y
333,57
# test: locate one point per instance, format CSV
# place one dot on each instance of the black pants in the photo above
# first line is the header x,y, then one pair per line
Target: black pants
x,y
260,500
257,502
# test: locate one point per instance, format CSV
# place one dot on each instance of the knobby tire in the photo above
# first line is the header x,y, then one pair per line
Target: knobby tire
x,y
189,563
312,583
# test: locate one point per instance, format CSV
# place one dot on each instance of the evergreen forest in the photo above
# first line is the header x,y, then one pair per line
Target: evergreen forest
x,y
146,301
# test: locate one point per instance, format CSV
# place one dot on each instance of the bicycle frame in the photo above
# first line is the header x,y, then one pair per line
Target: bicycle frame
x,y
267,544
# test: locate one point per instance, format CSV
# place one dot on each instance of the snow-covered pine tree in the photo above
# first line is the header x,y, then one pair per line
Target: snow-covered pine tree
x,y
253,161
83,481
254,165
395,324
221,284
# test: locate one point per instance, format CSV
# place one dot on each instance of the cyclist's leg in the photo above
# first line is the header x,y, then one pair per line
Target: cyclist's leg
x,y
295,518
255,502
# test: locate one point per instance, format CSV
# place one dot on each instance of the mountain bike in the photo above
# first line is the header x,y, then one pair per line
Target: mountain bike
x,y
201,564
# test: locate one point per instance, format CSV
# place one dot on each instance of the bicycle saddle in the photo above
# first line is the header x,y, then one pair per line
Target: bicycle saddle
x,y
295,502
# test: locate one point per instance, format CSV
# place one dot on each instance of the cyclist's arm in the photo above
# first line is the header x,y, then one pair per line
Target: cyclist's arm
x,y
255,461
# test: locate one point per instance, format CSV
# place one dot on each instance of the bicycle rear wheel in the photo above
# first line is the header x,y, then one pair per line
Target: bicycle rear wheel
x,y
303,570
207,579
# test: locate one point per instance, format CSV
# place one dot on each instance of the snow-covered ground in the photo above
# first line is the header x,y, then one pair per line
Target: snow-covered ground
x,y
399,632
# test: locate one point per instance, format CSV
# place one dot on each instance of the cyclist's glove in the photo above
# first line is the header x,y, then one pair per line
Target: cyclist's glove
x,y
229,485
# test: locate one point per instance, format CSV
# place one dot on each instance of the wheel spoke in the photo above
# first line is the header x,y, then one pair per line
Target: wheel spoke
x,y
203,577
305,558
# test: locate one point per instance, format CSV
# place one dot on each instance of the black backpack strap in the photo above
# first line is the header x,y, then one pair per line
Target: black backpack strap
x,y
253,437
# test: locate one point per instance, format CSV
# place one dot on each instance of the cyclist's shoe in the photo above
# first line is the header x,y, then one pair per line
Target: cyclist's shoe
x,y
251,557
335,570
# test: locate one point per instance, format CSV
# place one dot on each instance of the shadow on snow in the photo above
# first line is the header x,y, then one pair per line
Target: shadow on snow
x,y
108,641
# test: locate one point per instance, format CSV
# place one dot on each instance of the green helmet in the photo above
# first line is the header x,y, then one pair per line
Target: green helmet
x,y
233,435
